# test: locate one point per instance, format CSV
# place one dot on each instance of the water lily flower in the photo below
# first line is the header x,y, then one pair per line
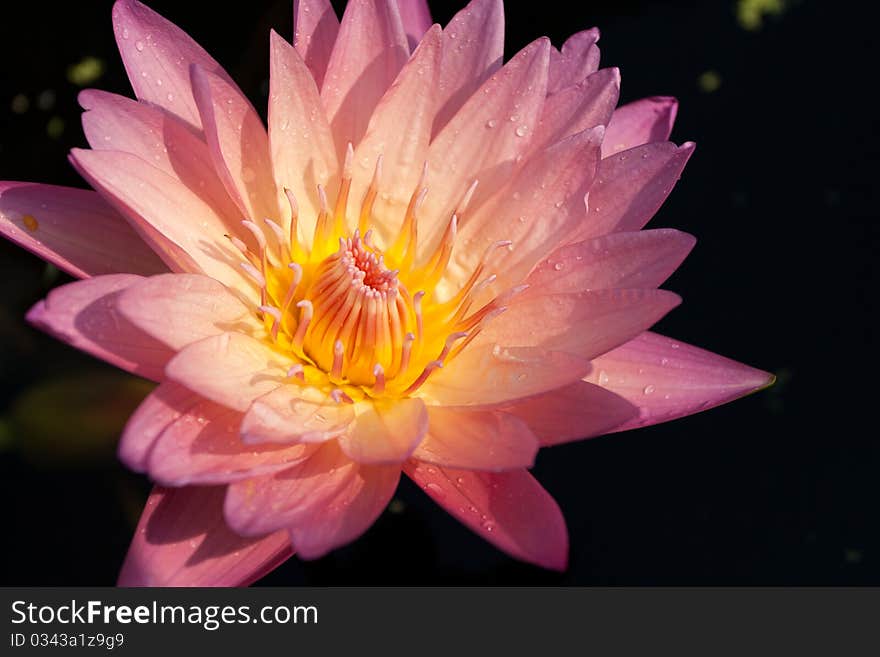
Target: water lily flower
x,y
431,263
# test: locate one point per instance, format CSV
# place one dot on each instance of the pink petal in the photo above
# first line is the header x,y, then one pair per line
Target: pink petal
x,y
302,158
368,54
578,59
486,375
473,49
580,410
264,504
583,323
203,446
668,379
231,369
157,55
117,123
416,18
476,440
84,315
509,509
74,229
386,432
295,414
179,309
182,540
481,142
640,122
315,27
238,144
399,131
178,223
631,186
584,105
643,259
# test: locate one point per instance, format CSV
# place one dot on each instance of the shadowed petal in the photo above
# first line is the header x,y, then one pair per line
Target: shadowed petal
x,y
509,509
416,18
74,229
640,122
578,59
182,540
315,27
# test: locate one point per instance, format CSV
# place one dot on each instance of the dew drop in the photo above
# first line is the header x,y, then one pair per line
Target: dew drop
x,y
664,361
139,46
558,266
491,123
603,377
521,131
488,525
158,82
170,97
674,345
436,490
125,33
648,389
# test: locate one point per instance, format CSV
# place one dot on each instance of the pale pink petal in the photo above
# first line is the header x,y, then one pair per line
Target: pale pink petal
x,y
203,446
74,229
509,509
295,414
182,540
368,54
264,504
232,369
583,323
640,122
542,204
584,105
473,49
179,309
117,123
385,432
486,375
668,379
399,131
238,144
180,225
576,411
84,315
315,27
643,259
302,148
481,141
416,18
631,186
157,55
348,514
476,440
578,59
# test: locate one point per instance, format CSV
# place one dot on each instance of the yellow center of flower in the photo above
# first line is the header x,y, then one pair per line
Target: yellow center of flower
x,y
361,322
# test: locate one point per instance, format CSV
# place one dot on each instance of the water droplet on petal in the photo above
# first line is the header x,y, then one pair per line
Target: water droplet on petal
x,y
491,123
521,131
488,525
125,33
603,377
558,266
139,45
435,490
648,389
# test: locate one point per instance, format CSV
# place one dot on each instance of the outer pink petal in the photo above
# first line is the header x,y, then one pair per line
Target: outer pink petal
x,y
631,186
75,230
231,369
315,27
481,142
486,376
583,323
368,54
476,440
643,259
84,315
668,379
578,59
580,410
578,107
179,309
203,446
640,122
182,540
399,131
416,18
182,227
302,148
509,509
386,432
157,55
117,123
238,144
473,49
291,414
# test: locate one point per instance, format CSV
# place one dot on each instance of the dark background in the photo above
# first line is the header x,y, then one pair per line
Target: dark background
x,y
779,488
